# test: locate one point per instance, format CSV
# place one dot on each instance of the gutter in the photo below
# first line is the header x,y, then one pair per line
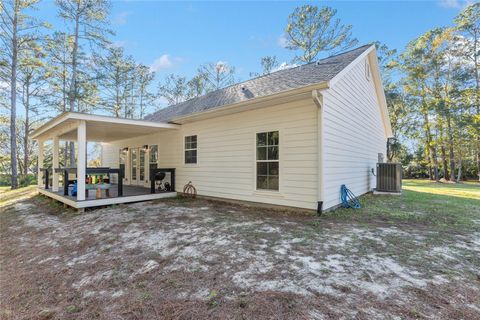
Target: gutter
x,y
318,100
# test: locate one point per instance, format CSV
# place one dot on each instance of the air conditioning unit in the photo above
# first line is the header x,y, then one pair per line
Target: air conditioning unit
x,y
389,177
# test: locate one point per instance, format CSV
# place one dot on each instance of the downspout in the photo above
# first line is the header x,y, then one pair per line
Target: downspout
x,y
318,100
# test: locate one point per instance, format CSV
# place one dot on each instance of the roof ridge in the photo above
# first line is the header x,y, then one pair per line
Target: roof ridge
x,y
299,66
265,75
280,78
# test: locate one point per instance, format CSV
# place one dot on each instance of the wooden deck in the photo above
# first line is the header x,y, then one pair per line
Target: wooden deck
x,y
130,194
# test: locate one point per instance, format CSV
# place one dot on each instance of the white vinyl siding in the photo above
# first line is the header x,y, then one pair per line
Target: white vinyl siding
x,y
228,154
353,135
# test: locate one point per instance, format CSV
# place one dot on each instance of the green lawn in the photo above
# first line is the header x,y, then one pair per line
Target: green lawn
x,y
444,205
8,195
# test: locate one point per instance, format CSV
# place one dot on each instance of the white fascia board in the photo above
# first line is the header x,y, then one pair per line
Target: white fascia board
x,y
98,118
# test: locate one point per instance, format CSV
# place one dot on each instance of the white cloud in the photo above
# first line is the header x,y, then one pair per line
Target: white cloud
x,y
165,61
222,66
285,65
282,41
455,4
121,18
161,102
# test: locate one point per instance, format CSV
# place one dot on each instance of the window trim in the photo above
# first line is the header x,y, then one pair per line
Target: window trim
x,y
267,192
185,149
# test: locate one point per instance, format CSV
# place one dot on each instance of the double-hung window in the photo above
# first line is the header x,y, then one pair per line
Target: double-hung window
x,y
190,149
268,160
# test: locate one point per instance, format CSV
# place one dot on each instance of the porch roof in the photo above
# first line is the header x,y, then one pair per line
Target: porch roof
x,y
98,128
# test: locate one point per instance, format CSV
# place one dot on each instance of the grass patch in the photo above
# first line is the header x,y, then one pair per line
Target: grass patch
x,y
444,205
7,194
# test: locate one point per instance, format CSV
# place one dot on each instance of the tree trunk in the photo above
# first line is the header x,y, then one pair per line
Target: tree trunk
x,y
432,150
27,127
450,147
477,98
459,174
446,176
435,163
64,106
13,100
73,83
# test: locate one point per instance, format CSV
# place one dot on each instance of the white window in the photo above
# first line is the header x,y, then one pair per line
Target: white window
x,y
190,149
153,154
123,156
267,160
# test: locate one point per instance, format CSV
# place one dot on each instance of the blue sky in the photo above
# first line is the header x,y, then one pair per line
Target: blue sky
x,y
176,37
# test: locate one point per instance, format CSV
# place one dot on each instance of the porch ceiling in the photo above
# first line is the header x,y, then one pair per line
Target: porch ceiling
x,y
98,128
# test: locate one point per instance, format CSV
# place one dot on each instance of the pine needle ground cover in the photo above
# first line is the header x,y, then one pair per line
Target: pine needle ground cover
x,y
413,256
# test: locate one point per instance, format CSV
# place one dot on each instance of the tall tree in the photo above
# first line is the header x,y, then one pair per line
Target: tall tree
x,y
217,75
87,20
268,64
17,31
114,76
33,76
313,30
145,98
174,89
59,49
197,86
468,25
416,62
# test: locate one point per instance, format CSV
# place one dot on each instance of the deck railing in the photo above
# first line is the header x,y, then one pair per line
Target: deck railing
x,y
100,170
108,171
46,176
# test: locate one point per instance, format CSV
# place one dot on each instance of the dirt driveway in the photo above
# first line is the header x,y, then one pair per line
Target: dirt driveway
x,y
180,259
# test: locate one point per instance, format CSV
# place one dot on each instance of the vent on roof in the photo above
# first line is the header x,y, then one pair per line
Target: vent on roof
x,y
247,93
367,70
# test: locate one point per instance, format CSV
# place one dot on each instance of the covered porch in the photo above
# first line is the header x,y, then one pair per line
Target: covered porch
x,y
81,186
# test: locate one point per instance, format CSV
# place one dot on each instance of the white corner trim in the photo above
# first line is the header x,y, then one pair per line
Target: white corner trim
x,y
380,91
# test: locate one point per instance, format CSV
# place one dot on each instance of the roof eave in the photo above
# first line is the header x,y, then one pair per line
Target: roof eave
x,y
51,124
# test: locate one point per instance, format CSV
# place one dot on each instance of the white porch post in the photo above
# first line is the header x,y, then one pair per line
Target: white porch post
x,y
40,181
81,159
55,164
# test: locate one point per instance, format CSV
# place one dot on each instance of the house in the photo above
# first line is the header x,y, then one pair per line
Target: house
x,y
289,138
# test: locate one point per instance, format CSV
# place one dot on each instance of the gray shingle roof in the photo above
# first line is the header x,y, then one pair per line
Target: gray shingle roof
x,y
276,82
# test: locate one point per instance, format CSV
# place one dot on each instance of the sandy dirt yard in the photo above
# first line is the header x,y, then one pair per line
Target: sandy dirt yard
x,y
199,259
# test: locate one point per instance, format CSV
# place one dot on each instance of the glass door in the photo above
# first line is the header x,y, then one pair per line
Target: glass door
x,y
122,161
134,166
141,166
